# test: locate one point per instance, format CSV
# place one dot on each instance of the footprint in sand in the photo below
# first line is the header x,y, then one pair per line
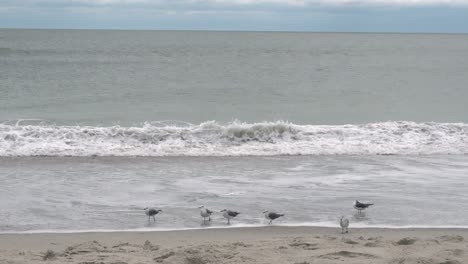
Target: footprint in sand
x,y
456,252
127,247
241,244
455,238
150,247
304,245
163,257
372,244
84,248
347,254
421,260
451,262
350,241
406,241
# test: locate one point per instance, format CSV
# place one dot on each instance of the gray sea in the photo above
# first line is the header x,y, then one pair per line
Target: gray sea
x,y
96,125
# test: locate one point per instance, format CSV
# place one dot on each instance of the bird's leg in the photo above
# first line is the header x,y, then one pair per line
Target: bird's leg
x,y
154,219
209,218
346,230
229,222
270,222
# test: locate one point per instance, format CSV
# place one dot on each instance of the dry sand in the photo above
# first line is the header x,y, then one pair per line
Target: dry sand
x,y
267,245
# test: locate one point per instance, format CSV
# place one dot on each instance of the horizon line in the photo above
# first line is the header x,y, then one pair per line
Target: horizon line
x,y
236,30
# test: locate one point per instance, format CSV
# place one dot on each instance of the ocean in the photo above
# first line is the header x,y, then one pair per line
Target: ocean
x,y
96,125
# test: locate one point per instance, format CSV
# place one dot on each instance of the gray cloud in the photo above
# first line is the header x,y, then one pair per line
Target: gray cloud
x,y
218,3
287,15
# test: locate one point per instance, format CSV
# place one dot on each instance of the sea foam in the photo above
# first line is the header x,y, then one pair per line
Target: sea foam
x,y
233,139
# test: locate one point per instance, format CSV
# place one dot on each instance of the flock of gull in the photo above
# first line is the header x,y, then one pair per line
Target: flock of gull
x,y
230,214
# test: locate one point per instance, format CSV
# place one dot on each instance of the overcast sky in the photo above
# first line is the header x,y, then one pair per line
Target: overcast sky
x,y
444,16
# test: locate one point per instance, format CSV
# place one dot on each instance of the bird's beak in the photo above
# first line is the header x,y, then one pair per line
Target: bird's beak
x,y
200,207
265,211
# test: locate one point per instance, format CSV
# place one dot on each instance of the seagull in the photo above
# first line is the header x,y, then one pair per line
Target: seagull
x,y
204,212
228,214
361,206
271,216
151,212
344,223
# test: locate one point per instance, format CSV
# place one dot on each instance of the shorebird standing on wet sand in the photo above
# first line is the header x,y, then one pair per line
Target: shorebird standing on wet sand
x,y
228,214
344,223
204,212
151,212
271,216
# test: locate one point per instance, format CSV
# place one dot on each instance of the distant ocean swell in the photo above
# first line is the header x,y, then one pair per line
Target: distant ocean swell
x,y
169,138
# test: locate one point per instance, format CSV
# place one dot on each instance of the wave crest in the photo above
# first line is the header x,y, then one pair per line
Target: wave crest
x,y
169,138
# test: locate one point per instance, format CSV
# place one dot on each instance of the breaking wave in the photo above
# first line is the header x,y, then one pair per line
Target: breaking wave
x,y
169,138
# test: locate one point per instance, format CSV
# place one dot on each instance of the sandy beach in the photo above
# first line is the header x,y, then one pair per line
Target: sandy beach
x,y
271,244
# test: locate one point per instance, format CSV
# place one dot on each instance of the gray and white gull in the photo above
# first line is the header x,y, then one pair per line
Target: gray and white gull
x,y
344,223
151,212
205,213
361,206
228,214
271,216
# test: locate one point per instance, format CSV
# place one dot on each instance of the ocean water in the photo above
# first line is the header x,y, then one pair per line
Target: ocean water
x,y
97,125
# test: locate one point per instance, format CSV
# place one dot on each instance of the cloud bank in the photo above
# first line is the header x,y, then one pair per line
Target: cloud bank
x,y
297,3
277,15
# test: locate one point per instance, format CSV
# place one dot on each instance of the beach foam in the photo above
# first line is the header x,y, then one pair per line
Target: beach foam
x,y
233,139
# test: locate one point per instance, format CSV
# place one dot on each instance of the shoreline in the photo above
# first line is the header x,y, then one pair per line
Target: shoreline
x,y
268,244
221,227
